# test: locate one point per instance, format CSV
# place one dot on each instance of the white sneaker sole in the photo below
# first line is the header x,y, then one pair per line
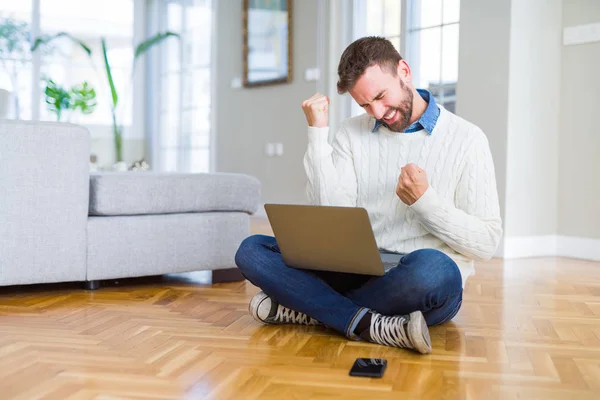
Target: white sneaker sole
x,y
419,333
255,304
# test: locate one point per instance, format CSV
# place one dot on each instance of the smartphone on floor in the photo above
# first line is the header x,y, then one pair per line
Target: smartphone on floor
x,y
369,367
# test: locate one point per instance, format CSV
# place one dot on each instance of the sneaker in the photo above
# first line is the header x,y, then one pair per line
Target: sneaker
x,y
404,331
266,310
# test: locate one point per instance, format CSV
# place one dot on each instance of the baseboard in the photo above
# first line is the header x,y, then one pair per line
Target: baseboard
x,y
552,246
578,247
530,246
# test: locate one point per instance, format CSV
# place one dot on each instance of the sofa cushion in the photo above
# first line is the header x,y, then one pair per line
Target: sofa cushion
x,y
139,193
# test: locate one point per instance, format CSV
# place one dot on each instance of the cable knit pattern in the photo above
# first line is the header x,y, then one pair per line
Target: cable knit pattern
x,y
459,214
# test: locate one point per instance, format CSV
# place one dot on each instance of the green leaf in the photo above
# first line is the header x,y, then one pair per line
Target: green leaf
x,y
118,137
83,97
115,97
44,40
57,98
150,42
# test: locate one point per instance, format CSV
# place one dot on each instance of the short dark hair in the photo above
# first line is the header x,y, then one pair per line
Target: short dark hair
x,y
363,53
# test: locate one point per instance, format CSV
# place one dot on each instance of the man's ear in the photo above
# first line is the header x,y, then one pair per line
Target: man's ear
x,y
404,71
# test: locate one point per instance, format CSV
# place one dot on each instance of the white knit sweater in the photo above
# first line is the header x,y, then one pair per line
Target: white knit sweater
x,y
459,214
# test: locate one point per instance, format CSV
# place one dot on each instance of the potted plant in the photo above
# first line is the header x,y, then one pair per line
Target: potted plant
x,y
140,49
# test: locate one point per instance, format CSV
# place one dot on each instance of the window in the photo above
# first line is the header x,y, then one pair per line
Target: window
x,y
429,45
63,62
68,64
165,112
432,47
15,59
62,65
184,122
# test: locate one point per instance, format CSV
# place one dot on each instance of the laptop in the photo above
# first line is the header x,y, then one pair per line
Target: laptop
x,y
328,238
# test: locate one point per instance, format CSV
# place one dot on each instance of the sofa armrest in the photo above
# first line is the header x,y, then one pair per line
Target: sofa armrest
x,y
44,197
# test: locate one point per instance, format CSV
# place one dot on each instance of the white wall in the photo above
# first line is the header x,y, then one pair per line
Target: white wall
x,y
536,101
533,118
579,167
482,90
509,51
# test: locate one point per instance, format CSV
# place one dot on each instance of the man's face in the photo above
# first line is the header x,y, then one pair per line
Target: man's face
x,y
385,97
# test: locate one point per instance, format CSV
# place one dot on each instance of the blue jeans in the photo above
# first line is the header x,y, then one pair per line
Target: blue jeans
x,y
426,280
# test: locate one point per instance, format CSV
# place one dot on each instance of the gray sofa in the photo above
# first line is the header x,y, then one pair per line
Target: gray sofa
x,y
60,223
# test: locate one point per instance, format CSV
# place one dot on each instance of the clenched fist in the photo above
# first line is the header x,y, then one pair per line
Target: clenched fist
x,y
316,110
412,183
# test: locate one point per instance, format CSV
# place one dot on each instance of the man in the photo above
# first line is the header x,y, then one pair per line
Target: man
x,y
426,178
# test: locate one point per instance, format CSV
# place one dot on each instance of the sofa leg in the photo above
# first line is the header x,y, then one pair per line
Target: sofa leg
x,y
227,275
91,285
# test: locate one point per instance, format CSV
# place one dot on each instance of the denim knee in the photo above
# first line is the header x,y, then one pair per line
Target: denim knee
x,y
247,255
248,246
434,271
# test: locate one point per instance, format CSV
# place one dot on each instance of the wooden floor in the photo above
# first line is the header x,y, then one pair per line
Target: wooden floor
x,y
528,329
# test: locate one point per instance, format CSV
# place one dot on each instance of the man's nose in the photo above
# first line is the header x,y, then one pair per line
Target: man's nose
x,y
378,110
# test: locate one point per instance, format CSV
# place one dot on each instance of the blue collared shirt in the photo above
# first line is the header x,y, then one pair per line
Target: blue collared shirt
x,y
427,120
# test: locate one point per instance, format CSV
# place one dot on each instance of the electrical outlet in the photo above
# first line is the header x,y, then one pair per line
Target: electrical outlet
x,y
278,149
270,149
312,74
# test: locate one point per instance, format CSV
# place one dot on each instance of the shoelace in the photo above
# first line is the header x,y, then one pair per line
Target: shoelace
x,y
290,316
390,331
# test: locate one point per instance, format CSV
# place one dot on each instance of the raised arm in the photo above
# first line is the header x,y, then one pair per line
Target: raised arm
x,y
329,168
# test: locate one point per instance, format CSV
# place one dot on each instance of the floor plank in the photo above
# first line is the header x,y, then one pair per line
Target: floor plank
x,y
528,329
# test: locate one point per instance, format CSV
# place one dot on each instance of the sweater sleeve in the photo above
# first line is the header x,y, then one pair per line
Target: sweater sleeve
x,y
472,225
330,169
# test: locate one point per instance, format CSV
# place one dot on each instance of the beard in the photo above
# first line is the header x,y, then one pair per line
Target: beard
x,y
404,109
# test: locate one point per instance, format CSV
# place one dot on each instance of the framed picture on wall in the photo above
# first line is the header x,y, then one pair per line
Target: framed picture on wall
x,y
267,30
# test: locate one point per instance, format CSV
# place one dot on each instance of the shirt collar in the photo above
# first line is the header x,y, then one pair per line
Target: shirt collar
x,y
427,120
